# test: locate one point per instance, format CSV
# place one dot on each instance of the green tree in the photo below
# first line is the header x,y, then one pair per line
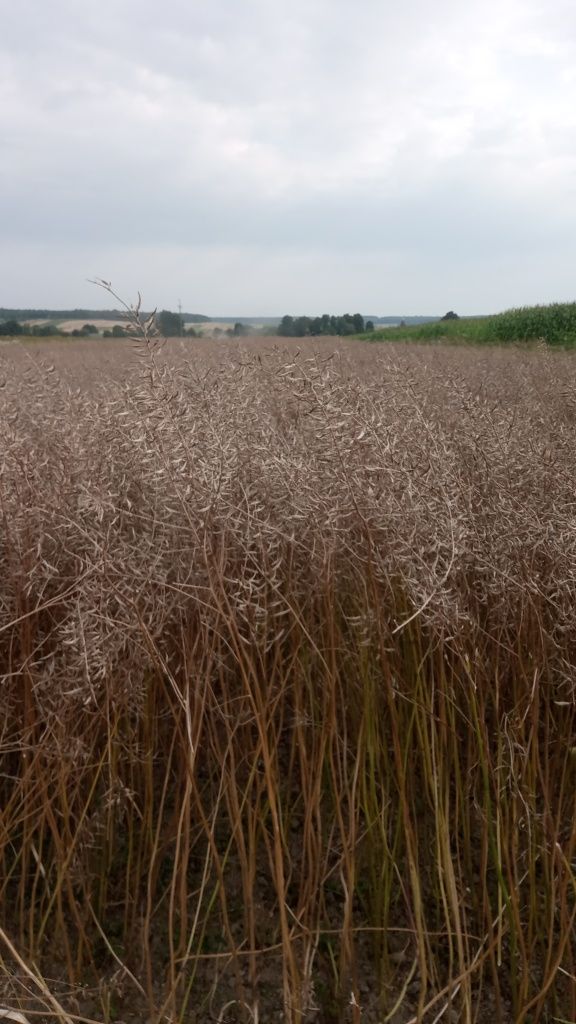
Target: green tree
x,y
300,326
44,330
286,327
169,324
11,327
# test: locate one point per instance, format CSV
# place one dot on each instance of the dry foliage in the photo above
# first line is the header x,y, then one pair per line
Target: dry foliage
x,y
287,650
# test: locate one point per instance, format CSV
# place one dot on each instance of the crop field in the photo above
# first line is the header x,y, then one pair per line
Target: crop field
x,y
554,325
287,655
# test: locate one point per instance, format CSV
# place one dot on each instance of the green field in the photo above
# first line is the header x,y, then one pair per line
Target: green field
x,y
554,325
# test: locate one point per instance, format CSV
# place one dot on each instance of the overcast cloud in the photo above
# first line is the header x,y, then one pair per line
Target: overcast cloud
x,y
271,156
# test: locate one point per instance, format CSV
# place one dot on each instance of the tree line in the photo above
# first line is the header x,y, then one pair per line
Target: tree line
x,y
169,325
13,328
301,326
83,314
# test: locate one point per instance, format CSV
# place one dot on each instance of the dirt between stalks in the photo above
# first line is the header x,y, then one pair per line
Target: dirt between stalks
x,y
114,1000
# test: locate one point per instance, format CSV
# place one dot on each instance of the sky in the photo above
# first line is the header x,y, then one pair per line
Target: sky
x,y
263,157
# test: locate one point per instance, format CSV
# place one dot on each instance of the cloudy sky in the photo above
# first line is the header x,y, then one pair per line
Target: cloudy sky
x,y
272,156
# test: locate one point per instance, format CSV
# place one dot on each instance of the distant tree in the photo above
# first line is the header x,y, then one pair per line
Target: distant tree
x,y
369,325
118,331
89,329
44,330
302,326
451,316
299,327
169,324
239,330
286,327
11,327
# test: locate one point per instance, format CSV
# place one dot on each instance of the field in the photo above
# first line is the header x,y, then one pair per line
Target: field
x,y
554,325
70,325
287,645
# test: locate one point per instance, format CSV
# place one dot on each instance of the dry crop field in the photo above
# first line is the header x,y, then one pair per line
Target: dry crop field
x,y
287,653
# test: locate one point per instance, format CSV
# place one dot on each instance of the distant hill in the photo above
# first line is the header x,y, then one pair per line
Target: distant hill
x,y
409,321
116,315
273,321
22,315
261,321
196,318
